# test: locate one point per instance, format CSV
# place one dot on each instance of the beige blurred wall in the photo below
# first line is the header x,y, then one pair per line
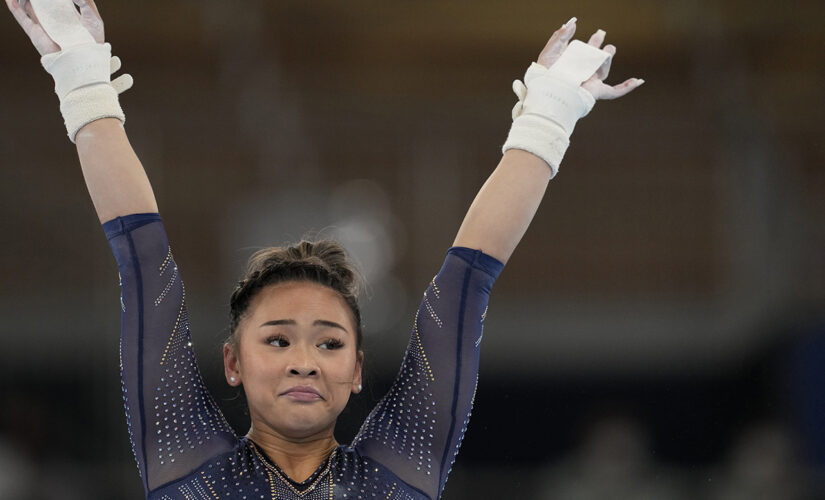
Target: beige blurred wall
x,y
685,224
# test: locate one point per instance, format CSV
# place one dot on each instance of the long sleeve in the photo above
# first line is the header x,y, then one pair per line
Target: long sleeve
x,y
174,424
417,428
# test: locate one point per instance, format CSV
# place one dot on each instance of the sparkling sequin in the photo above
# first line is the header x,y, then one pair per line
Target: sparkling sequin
x,y
173,277
435,287
120,284
404,420
185,416
481,327
247,473
183,446
431,310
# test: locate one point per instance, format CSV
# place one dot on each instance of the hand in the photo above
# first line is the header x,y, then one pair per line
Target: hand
x,y
595,84
27,19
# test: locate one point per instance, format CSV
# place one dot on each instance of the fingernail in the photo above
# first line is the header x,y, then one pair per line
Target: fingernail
x,y
640,81
601,32
571,21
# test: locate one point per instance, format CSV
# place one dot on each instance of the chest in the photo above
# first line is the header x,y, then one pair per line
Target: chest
x,y
345,477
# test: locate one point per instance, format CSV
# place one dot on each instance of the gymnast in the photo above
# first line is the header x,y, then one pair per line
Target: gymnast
x,y
295,325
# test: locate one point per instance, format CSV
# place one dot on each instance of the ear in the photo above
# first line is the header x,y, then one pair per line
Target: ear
x,y
231,365
356,375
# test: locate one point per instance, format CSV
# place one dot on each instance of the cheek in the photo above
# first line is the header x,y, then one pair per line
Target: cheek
x,y
255,364
342,368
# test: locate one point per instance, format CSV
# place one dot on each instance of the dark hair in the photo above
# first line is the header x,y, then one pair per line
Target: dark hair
x,y
324,262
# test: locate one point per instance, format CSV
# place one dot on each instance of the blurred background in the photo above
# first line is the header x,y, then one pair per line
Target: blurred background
x,y
658,334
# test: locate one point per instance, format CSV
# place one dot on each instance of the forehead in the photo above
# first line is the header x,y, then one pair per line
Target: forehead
x,y
300,300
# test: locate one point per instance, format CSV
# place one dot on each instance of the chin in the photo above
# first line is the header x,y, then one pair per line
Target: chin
x,y
301,424
302,429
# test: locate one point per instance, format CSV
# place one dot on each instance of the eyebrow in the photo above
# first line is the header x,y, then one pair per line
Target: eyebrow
x,y
317,322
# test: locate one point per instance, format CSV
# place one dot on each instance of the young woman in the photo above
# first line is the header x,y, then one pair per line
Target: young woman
x,y
295,328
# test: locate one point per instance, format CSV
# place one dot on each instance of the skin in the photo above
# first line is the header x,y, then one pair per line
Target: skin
x,y
26,18
295,334
298,436
506,204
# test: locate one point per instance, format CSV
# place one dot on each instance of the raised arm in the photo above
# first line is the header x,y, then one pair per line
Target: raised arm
x,y
174,424
81,63
505,205
114,175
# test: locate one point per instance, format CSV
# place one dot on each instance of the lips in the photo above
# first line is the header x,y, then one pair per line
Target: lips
x,y
302,393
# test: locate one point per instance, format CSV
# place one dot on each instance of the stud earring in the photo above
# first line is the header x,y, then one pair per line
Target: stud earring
x,y
232,379
359,387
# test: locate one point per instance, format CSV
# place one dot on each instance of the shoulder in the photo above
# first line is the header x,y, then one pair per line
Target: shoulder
x,y
477,259
356,474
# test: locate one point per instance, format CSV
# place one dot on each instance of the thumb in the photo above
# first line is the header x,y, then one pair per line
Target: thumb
x,y
123,83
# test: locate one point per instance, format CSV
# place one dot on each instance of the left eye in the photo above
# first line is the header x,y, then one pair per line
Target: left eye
x,y
277,341
331,344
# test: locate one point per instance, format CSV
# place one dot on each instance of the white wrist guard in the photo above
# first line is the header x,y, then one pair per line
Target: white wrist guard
x,y
82,69
551,100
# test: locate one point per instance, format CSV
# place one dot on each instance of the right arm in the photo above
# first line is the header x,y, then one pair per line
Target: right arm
x,y
174,424
114,175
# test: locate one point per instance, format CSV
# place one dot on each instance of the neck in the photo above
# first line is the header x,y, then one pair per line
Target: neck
x,y
298,458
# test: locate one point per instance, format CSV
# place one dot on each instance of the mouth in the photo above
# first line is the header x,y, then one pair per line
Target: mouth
x,y
302,393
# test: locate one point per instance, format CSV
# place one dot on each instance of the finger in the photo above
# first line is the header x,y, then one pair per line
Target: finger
x,y
87,8
114,64
566,31
29,8
20,16
92,5
622,89
517,110
12,4
557,43
38,36
519,89
604,70
597,38
91,19
123,83
30,12
16,10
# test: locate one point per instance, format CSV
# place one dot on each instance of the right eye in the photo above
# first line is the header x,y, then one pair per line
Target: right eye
x,y
277,341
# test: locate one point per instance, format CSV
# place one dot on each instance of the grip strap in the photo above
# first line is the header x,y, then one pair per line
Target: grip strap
x,y
61,21
551,101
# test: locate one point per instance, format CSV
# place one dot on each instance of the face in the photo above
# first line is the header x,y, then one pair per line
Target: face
x,y
296,358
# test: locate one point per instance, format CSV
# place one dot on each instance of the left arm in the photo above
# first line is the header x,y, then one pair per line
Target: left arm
x,y
505,205
417,427
415,431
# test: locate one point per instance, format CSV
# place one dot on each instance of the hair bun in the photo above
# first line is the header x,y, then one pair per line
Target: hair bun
x,y
325,262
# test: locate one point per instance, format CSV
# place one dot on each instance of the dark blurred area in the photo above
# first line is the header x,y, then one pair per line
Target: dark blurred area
x,y
658,334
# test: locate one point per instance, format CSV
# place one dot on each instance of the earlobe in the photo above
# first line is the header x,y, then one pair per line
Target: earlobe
x,y
356,381
231,365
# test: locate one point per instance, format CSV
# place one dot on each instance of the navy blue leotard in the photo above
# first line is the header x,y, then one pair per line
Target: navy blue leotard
x,y
184,447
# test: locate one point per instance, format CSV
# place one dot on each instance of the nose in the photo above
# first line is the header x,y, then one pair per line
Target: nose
x,y
302,364
303,371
